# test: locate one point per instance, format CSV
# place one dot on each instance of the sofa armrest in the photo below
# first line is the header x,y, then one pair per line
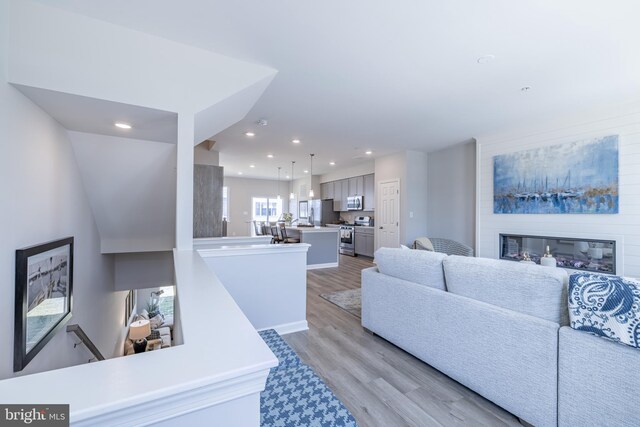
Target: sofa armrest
x,y
598,381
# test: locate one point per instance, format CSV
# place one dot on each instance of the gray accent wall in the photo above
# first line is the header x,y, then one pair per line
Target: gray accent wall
x,y
207,200
451,193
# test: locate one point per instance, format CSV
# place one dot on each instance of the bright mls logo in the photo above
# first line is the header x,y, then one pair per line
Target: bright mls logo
x,y
34,415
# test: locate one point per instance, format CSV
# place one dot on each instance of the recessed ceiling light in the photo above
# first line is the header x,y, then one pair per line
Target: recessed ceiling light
x,y
486,59
368,152
525,89
250,134
252,166
296,141
239,173
332,163
270,156
122,125
306,171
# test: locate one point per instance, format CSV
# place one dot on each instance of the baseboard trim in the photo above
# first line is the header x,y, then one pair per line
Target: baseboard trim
x,y
327,265
289,328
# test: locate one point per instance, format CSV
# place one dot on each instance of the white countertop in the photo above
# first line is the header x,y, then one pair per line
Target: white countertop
x,y
314,229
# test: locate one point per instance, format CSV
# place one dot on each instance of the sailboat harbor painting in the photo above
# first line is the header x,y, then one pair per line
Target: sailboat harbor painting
x,y
579,177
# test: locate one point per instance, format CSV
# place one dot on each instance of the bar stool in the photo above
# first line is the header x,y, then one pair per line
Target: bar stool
x,y
285,238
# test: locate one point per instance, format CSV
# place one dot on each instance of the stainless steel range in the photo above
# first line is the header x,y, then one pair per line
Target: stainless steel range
x,y
347,239
347,235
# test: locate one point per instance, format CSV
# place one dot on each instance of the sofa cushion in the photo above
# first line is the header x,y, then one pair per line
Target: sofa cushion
x,y
421,267
530,289
607,306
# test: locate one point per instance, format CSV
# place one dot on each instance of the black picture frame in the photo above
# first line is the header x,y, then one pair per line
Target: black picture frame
x,y
43,298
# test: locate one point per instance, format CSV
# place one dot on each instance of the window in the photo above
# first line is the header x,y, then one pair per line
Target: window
x,y
266,208
166,300
225,203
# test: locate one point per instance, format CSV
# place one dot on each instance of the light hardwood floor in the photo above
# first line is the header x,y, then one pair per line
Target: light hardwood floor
x,y
381,384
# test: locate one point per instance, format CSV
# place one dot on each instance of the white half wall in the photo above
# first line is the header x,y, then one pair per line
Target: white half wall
x,y
44,200
451,193
623,227
131,185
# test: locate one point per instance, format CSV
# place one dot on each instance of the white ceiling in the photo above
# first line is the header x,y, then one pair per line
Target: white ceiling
x,y
83,114
387,76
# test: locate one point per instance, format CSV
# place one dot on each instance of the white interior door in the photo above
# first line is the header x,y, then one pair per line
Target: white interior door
x,y
388,214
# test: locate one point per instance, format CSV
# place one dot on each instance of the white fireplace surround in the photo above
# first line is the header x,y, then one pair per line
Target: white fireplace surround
x,y
623,228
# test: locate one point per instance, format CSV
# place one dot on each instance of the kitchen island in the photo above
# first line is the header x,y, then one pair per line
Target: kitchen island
x,y
325,245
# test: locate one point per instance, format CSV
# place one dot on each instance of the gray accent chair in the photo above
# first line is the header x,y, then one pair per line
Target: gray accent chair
x,y
447,246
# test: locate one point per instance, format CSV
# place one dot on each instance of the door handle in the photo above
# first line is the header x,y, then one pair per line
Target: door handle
x,y
381,227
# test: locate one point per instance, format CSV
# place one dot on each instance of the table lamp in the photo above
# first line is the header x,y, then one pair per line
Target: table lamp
x,y
138,333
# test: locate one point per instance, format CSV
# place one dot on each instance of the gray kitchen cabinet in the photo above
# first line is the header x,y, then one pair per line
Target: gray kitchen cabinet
x,y
326,190
344,185
355,186
339,204
368,192
364,241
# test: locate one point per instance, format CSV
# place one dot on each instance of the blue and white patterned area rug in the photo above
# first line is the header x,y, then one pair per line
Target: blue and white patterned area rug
x,y
297,397
350,301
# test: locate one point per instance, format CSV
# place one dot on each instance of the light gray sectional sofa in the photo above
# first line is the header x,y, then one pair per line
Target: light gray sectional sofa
x,y
499,327
490,325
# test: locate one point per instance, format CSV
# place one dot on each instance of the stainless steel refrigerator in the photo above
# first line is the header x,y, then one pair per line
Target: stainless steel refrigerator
x,y
321,212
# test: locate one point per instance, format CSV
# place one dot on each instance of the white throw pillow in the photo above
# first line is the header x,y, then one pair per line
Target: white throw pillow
x,y
156,321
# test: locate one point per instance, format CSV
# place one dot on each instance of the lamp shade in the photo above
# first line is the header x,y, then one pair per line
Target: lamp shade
x,y
139,329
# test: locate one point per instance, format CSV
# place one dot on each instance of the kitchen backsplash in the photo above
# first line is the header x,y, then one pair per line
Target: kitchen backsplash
x,y
351,215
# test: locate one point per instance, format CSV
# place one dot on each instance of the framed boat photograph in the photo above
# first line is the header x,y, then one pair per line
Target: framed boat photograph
x,y
43,298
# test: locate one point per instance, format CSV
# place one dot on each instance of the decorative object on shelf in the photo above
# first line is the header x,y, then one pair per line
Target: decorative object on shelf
x,y
138,333
548,260
153,306
311,195
579,177
569,252
287,218
292,194
526,259
43,297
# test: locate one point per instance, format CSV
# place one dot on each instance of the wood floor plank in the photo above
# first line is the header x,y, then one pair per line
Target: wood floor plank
x,y
381,384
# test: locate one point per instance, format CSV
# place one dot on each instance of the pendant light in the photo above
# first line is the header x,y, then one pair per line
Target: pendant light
x,y
279,167
311,178
292,195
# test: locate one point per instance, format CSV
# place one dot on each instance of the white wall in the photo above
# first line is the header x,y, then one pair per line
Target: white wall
x,y
134,68
365,168
411,168
240,192
43,199
203,156
451,193
131,185
624,227
143,270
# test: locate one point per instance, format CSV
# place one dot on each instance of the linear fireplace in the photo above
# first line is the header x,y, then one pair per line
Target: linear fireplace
x,y
576,254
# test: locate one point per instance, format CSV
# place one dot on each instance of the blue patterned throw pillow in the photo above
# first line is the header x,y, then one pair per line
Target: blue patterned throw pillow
x,y
607,306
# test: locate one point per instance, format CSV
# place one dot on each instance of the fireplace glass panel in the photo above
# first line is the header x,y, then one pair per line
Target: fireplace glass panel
x,y
577,254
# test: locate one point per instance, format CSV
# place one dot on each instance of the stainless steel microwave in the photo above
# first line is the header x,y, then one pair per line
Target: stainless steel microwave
x,y
354,203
